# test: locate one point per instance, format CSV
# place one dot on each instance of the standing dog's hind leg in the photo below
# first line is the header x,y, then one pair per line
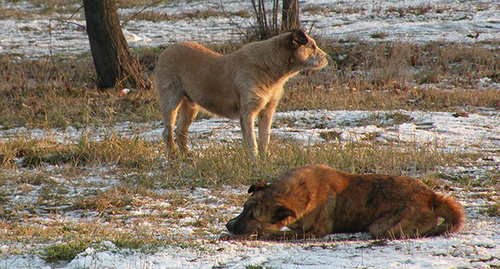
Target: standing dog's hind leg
x,y
187,112
169,103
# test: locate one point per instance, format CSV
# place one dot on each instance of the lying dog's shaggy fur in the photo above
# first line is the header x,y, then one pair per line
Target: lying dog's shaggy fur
x,y
243,85
315,200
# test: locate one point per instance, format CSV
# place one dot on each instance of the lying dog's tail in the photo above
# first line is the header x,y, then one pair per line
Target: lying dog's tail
x,y
452,213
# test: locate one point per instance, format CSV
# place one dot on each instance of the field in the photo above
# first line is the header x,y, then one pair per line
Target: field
x,y
412,88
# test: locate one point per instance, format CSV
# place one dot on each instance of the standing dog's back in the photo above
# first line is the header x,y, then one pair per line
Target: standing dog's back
x,y
245,84
194,71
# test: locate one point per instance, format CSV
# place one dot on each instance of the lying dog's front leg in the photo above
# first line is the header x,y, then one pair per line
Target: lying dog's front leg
x,y
247,128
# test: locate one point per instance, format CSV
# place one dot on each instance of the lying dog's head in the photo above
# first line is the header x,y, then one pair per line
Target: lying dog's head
x,y
306,52
262,213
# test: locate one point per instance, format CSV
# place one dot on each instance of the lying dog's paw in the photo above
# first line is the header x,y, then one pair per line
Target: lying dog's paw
x,y
226,236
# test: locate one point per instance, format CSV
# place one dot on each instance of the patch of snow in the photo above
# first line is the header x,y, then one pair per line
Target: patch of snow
x,y
468,249
475,132
396,21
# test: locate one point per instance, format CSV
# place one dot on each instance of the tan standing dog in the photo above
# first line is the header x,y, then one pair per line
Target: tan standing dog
x,y
315,200
245,84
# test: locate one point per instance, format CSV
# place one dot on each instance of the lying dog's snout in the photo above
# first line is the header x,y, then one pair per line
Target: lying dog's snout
x,y
237,226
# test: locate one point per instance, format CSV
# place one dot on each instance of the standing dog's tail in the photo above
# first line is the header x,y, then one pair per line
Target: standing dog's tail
x,y
452,213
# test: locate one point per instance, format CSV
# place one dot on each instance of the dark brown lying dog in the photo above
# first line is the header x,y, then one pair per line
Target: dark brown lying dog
x,y
315,200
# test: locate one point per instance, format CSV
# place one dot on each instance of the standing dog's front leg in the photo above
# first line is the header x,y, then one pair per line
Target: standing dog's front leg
x,y
265,120
247,128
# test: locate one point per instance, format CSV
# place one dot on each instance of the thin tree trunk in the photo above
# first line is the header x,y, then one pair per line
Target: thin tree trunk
x,y
290,15
113,60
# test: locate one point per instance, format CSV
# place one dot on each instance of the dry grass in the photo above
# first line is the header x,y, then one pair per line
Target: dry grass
x,y
217,164
33,153
141,205
440,77
153,15
421,9
32,87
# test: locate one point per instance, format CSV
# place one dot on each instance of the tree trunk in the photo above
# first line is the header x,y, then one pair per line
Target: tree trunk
x,y
290,15
113,60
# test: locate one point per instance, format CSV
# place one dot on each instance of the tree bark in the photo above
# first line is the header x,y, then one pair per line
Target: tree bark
x,y
290,15
113,60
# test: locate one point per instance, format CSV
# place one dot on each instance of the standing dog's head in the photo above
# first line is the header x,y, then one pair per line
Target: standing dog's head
x,y
306,54
262,213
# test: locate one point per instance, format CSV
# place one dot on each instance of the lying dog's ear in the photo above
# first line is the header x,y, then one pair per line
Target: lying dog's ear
x,y
257,186
298,38
282,213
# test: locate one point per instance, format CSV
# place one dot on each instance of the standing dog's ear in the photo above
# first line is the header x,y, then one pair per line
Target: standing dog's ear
x,y
298,38
257,186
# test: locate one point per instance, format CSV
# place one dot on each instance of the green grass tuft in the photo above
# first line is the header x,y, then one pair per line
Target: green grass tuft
x,y
64,251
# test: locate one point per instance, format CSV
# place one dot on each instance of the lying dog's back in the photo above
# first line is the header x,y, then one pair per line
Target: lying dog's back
x,y
402,202
316,200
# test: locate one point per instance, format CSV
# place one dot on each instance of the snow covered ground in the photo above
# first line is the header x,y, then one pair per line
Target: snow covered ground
x,y
462,251
478,131
387,20
477,246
